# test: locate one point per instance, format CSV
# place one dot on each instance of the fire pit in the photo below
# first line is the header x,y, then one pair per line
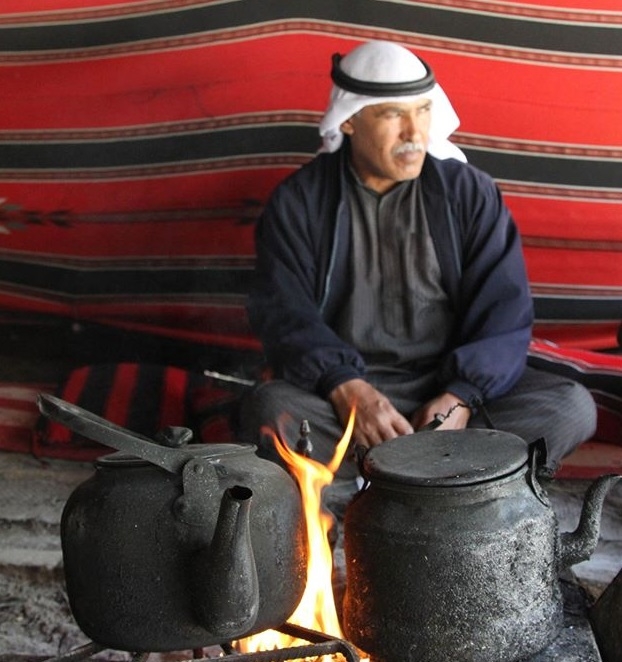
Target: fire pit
x,y
234,604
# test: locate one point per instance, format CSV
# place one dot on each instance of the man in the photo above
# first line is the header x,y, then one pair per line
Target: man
x,y
390,277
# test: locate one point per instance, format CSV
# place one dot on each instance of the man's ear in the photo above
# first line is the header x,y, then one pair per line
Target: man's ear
x,y
347,128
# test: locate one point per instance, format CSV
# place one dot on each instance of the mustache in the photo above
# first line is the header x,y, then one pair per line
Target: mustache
x,y
410,146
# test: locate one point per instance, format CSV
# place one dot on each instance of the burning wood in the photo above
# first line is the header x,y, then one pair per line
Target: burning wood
x,y
316,610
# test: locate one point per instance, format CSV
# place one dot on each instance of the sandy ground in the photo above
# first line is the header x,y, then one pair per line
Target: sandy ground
x,y
35,618
34,613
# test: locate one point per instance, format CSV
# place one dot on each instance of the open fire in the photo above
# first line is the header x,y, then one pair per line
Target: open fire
x,y
316,610
424,543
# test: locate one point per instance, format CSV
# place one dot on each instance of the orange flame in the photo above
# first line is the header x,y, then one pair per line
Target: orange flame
x,y
316,610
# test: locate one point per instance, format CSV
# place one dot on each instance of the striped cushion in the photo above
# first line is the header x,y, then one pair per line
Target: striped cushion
x,y
143,398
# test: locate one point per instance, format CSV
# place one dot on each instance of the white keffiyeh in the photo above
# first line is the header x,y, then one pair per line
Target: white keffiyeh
x,y
386,62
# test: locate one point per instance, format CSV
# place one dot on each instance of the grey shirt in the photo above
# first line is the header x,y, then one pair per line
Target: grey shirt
x,y
397,315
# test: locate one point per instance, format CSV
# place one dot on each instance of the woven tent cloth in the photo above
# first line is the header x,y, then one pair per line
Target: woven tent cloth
x,y
140,140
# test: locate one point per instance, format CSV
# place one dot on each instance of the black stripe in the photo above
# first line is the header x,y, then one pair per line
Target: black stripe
x,y
509,31
144,410
551,308
280,139
75,283
179,148
548,169
97,388
118,282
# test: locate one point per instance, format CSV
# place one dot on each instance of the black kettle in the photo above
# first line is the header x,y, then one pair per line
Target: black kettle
x,y
453,552
178,546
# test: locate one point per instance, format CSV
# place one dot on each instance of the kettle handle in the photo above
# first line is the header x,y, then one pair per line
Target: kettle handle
x,y
359,457
536,461
98,429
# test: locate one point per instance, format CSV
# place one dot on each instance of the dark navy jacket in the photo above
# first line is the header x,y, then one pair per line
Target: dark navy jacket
x,y
303,274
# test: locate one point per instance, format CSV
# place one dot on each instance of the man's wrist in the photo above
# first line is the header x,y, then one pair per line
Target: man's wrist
x,y
329,382
465,392
344,392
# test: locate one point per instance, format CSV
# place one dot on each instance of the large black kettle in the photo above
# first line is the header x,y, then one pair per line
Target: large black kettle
x,y
453,552
181,546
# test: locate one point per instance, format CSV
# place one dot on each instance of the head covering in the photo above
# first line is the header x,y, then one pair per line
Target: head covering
x,y
381,71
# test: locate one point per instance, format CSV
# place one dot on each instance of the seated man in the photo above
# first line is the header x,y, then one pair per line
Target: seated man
x,y
390,276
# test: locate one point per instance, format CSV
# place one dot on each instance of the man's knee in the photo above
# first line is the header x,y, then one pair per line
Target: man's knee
x,y
579,405
266,401
547,405
279,407
576,421
259,408
258,414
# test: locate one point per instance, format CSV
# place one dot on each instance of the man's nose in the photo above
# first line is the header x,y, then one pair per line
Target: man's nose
x,y
409,125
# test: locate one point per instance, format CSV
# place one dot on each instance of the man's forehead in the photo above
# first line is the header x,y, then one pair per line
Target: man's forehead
x,y
380,107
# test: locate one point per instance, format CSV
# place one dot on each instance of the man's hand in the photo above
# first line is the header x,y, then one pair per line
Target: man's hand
x,y
453,411
376,418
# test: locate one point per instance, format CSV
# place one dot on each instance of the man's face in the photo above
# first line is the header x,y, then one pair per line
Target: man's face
x,y
389,141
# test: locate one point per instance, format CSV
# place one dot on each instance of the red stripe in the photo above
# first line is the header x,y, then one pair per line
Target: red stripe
x,y
71,392
599,269
591,460
120,397
189,191
199,240
39,11
186,78
17,405
581,359
237,339
191,324
558,10
581,335
564,218
15,439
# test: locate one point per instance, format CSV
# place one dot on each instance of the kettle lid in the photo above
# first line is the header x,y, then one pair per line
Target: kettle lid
x,y
446,458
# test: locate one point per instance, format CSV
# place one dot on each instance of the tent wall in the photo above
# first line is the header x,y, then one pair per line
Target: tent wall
x,y
139,140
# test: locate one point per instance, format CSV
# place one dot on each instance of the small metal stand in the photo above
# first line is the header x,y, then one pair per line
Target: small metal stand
x,y
319,645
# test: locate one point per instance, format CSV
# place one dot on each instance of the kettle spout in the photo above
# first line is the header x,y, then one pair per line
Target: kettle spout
x,y
578,545
225,586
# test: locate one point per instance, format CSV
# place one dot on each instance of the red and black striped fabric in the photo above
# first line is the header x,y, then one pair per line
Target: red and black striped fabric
x,y
139,140
143,398
600,373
